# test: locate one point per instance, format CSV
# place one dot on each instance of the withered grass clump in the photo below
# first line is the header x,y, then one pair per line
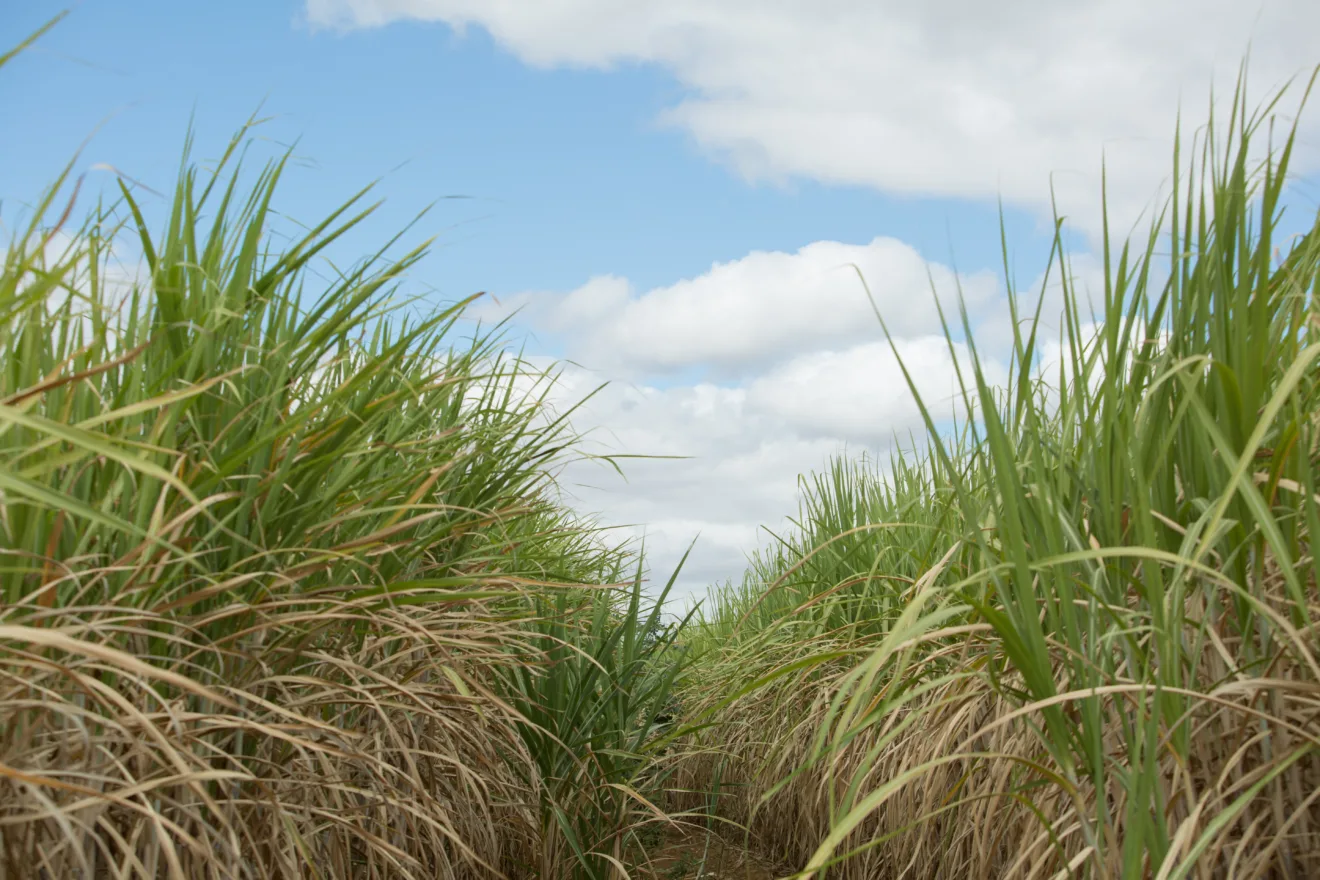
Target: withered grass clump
x,y
303,756
1078,635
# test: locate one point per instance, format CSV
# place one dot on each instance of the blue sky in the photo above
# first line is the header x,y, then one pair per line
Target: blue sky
x,y
669,187
569,172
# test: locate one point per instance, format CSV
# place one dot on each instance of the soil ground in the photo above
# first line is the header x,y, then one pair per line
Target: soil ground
x,y
679,858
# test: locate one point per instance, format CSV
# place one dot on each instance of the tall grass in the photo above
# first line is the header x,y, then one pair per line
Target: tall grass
x,y
591,719
287,585
1078,636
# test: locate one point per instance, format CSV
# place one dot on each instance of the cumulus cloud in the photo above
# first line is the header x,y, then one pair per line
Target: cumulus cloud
x,y
756,310
860,394
800,371
804,372
802,384
732,454
729,467
948,97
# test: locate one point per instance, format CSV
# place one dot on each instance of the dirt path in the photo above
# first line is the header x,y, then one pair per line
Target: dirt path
x,y
681,855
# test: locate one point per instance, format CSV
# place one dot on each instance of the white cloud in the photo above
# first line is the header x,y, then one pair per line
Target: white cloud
x,y
756,310
743,444
805,373
954,98
738,472
861,395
